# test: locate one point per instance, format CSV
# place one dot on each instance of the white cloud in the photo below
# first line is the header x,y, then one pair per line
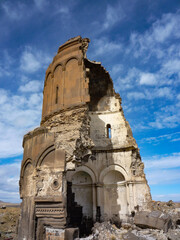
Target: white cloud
x,y
19,114
147,79
9,181
122,83
32,60
164,92
6,62
163,176
178,96
116,69
4,72
29,62
3,96
163,169
62,10
166,117
136,95
163,162
32,86
113,15
166,197
103,46
172,66
14,11
41,4
168,27
166,137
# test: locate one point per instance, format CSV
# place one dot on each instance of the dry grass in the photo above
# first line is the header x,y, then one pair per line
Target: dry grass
x,y
8,221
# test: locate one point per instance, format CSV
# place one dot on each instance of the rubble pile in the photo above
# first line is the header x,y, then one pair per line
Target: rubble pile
x,y
162,223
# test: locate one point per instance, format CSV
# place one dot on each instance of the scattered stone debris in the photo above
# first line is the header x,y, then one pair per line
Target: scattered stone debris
x,y
107,231
161,224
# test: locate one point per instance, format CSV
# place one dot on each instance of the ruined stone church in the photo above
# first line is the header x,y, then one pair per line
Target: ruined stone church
x,y
82,164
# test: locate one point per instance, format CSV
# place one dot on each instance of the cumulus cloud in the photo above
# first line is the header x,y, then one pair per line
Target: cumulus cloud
x,y
163,176
113,15
172,66
168,27
40,4
19,114
16,11
172,137
62,10
147,79
163,169
6,62
166,117
136,95
32,60
147,94
163,162
9,180
167,197
32,86
103,46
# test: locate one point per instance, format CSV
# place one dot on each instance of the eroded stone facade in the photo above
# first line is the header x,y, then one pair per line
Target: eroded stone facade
x,y
82,164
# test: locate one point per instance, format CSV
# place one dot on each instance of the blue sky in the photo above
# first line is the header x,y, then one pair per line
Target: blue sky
x,y
137,41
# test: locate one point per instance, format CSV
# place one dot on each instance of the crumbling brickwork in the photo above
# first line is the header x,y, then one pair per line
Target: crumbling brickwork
x,y
82,164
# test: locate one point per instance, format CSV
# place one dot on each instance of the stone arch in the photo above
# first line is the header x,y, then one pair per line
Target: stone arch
x,y
82,189
87,170
27,182
72,80
58,83
114,192
74,57
47,94
57,65
24,164
113,177
44,155
47,75
111,168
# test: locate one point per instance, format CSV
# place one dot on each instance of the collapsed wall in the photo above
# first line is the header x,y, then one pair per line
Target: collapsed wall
x,y
82,164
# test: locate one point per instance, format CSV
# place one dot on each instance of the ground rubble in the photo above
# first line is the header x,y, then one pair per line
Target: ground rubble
x,y
108,231
161,223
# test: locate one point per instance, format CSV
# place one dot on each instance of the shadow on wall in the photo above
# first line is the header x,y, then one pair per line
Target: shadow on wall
x,y
112,196
80,202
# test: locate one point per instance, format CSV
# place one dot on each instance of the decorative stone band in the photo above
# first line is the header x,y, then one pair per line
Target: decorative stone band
x,y
50,207
50,212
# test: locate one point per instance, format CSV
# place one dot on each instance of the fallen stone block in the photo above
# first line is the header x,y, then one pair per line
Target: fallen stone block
x,y
154,220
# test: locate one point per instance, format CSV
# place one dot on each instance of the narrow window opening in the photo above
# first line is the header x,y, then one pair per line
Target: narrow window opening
x,y
57,89
108,129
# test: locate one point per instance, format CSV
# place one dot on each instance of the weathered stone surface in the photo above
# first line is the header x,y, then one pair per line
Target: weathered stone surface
x,y
107,231
82,164
154,219
173,234
71,233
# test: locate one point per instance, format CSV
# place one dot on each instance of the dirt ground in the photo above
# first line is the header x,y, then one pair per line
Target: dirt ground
x,y
8,222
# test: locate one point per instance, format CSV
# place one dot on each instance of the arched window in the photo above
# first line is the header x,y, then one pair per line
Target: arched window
x,y
57,89
108,131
